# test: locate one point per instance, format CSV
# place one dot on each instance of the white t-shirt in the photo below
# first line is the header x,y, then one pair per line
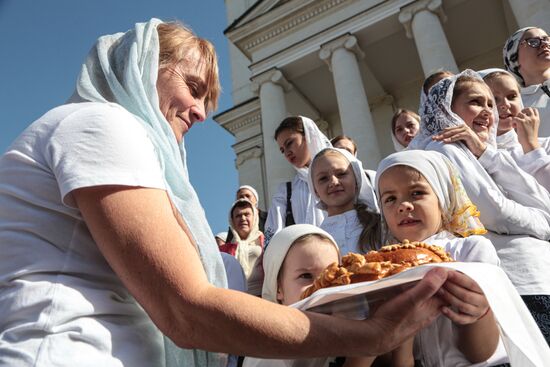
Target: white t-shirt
x,y
346,229
436,344
61,303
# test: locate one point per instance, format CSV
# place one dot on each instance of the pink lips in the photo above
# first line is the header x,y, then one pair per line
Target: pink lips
x,y
409,222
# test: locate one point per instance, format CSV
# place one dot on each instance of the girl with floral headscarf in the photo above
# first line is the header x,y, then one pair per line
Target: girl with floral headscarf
x,y
527,56
299,139
459,121
422,199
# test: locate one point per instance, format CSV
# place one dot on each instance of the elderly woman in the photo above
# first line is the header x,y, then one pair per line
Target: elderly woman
x,y
247,243
105,247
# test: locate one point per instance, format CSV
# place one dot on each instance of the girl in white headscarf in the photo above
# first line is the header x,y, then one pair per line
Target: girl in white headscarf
x,y
459,121
296,256
404,127
422,199
341,187
299,139
517,130
527,56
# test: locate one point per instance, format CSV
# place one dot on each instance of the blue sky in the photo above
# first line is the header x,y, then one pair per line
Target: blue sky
x,y
44,44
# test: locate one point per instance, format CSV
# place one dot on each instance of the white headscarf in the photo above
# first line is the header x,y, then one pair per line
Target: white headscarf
x,y
437,114
303,199
396,144
123,68
244,244
275,254
365,191
251,189
460,215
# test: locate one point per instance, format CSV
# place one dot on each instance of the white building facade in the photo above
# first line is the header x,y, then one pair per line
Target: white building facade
x,y
348,65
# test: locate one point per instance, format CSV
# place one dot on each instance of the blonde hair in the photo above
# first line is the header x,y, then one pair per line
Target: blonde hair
x,y
176,43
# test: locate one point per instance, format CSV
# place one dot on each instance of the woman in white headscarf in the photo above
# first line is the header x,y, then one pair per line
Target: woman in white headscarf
x,y
526,55
247,242
105,246
404,127
352,211
299,139
514,208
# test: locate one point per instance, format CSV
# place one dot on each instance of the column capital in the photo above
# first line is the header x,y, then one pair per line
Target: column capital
x,y
347,41
274,76
255,152
408,12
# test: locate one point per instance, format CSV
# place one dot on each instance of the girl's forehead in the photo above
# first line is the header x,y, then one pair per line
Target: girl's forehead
x,y
406,173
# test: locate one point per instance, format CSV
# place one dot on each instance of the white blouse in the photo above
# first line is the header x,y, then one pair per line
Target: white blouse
x,y
304,210
346,230
535,162
534,96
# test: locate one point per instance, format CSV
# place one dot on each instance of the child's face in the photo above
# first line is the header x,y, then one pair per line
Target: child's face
x,y
508,99
334,182
475,106
303,263
406,128
293,146
409,205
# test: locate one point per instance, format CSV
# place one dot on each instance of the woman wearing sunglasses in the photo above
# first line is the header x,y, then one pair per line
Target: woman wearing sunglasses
x,y
527,55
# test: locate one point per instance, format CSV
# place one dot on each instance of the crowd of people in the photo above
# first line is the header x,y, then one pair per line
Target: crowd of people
x,y
108,258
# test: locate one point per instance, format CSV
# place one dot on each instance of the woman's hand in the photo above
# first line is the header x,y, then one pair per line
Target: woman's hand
x,y
465,134
466,301
527,124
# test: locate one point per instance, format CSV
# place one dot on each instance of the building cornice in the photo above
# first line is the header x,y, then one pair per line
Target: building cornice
x,y
364,17
279,22
241,117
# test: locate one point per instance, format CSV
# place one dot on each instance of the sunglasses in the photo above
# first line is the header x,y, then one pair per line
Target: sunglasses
x,y
536,42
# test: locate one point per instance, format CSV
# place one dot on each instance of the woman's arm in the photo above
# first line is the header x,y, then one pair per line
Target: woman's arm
x,y
139,235
497,213
519,185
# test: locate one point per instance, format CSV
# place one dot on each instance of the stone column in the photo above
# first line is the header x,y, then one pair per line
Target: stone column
x,y
535,13
271,87
341,56
422,21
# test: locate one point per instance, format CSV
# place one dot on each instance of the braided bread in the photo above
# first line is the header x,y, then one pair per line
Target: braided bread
x,y
374,265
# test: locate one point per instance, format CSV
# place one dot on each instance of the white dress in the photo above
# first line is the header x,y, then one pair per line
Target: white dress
x,y
60,301
435,345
